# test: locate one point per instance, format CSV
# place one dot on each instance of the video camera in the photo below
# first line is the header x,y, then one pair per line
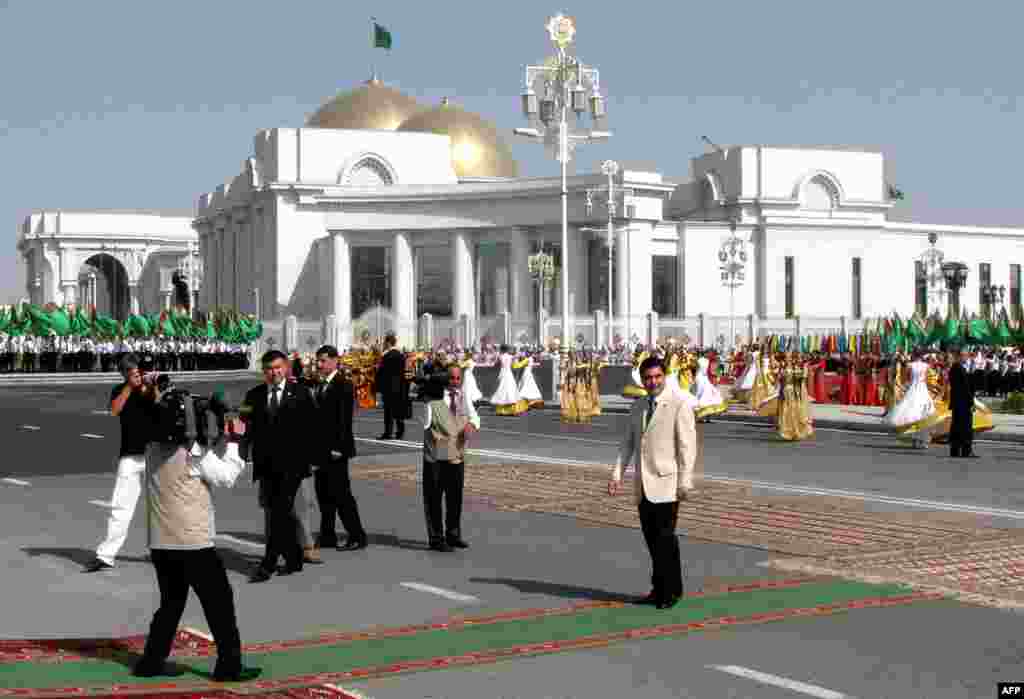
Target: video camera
x,y
185,419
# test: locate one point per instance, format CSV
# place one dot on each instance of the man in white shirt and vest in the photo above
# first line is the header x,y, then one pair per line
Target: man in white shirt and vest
x,y
660,445
449,418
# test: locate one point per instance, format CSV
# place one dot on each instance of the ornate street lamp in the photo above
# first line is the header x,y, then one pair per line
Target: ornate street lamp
x,y
561,85
733,258
993,295
955,274
610,192
935,279
542,269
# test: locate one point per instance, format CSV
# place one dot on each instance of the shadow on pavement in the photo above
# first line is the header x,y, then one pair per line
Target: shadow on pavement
x,y
540,587
80,556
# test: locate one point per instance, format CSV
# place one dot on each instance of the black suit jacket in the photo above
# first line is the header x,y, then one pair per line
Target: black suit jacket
x,y
283,445
391,375
335,407
961,390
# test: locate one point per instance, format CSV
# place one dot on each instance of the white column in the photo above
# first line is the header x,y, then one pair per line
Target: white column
x,y
341,288
403,290
167,300
639,254
519,269
213,271
133,295
623,308
462,275
70,289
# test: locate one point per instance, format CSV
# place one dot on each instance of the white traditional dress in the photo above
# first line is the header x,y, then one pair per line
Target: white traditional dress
x,y
528,390
709,398
915,414
469,386
506,399
746,383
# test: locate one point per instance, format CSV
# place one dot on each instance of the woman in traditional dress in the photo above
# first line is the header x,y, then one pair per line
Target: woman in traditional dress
x,y
764,395
894,388
817,368
506,398
915,416
528,390
793,419
596,364
709,398
745,385
636,389
687,368
470,389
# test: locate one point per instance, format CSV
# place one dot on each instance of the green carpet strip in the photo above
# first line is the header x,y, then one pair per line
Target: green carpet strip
x,y
447,643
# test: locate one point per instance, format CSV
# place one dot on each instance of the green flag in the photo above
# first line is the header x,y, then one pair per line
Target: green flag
x,y
381,37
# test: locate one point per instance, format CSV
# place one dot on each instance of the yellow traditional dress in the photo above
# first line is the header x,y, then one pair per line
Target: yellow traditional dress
x,y
793,420
763,387
595,387
894,388
581,391
687,365
636,389
567,392
769,400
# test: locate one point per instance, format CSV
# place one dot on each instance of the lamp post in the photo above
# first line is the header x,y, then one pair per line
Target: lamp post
x,y
37,284
565,85
733,258
610,169
955,274
92,288
993,295
935,279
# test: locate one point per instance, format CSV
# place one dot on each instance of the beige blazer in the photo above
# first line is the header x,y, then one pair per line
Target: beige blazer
x,y
665,453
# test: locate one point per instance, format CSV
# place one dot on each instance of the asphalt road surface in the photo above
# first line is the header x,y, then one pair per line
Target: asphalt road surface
x,y
59,452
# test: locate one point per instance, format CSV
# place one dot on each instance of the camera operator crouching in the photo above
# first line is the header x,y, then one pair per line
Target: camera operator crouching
x,y
188,454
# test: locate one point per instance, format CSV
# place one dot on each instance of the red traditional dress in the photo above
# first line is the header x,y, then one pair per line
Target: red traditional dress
x,y
846,386
818,392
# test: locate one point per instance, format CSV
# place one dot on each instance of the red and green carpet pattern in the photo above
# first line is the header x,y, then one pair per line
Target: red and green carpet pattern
x,y
338,658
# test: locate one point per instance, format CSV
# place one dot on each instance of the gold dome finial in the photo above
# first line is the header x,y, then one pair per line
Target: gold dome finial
x,y
372,105
477,149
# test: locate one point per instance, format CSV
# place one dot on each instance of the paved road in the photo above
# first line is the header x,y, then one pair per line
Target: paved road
x,y
50,526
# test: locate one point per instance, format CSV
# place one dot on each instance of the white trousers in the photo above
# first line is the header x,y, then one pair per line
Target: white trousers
x,y
127,489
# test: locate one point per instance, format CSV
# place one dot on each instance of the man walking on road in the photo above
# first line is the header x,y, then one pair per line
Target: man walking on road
x,y
129,402
961,402
335,399
394,388
660,446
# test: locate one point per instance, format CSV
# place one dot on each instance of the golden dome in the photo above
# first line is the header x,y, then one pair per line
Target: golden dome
x,y
477,148
373,105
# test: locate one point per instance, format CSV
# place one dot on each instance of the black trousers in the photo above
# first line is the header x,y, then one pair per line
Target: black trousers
x,y
961,434
203,571
658,523
282,537
443,480
394,413
334,495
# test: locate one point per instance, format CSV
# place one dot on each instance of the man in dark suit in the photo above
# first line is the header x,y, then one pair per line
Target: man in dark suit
x,y
961,402
335,400
280,417
394,388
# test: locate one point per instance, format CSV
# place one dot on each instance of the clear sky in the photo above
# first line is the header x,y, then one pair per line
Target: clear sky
x,y
146,105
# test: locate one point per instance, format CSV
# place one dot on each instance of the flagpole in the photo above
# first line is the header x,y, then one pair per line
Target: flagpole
x,y
373,47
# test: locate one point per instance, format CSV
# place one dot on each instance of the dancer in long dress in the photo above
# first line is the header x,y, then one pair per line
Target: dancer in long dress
x,y
470,389
741,394
915,415
506,398
764,397
636,389
709,398
793,420
528,390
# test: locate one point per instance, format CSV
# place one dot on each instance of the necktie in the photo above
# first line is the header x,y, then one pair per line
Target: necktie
x,y
650,412
275,401
452,395
320,390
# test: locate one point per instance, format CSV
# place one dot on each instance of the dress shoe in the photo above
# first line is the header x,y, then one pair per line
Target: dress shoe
x,y
353,545
457,543
144,669
292,568
441,546
384,436
312,556
261,574
242,674
399,435
96,565
669,603
650,599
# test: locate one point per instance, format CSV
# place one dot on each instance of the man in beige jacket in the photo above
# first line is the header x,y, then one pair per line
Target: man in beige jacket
x,y
660,446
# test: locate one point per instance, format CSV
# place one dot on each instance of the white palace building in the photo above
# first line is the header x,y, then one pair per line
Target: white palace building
x,y
384,213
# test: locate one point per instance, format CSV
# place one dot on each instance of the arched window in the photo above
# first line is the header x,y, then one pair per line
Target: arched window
x,y
368,172
819,194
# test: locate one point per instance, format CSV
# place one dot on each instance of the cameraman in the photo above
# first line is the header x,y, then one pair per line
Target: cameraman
x,y
180,531
129,401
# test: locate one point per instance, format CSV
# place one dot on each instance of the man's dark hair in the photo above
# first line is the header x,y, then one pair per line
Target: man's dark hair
x,y
271,355
390,339
129,362
650,363
328,351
